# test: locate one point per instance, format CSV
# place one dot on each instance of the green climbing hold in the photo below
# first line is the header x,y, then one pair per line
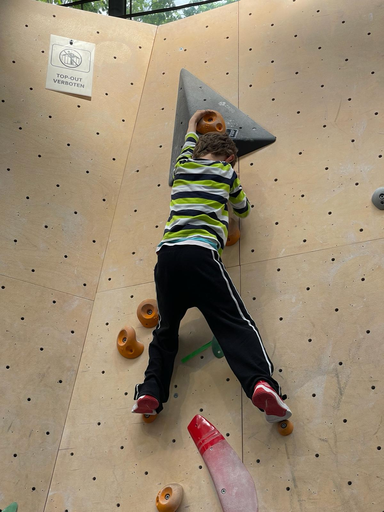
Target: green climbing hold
x,y
11,508
216,349
197,351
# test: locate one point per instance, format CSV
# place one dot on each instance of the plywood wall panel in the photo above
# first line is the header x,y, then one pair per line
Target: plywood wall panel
x,y
63,156
42,338
108,456
46,246
321,322
326,159
185,44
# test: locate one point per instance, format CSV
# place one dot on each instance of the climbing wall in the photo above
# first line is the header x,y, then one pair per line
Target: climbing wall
x,y
84,200
134,460
62,160
312,252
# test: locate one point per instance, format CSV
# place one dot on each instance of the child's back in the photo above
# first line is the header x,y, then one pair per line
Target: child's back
x,y
203,183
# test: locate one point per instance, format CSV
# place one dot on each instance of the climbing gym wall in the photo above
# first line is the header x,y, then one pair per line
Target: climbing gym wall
x,y
312,251
84,200
62,162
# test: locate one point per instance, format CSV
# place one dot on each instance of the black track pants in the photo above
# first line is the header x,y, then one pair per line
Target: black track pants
x,y
189,276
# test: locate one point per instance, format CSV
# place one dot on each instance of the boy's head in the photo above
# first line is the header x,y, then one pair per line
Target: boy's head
x,y
217,144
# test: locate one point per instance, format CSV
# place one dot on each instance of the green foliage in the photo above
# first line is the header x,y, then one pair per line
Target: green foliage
x,y
158,18
100,7
143,6
190,11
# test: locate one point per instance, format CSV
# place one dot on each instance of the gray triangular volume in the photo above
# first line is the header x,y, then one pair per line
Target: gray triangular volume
x,y
196,95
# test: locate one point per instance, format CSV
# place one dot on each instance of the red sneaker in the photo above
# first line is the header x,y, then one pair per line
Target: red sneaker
x,y
146,404
266,398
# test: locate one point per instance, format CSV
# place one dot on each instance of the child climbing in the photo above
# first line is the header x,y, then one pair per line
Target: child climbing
x,y
190,273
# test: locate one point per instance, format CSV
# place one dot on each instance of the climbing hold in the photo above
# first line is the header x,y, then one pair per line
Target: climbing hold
x,y
147,313
197,351
232,480
127,344
216,349
11,508
213,121
233,232
378,198
149,418
246,134
285,428
169,498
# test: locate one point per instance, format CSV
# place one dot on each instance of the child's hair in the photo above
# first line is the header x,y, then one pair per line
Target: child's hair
x,y
217,144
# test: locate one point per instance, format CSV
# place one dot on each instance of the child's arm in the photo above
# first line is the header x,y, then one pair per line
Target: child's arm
x,y
239,201
191,139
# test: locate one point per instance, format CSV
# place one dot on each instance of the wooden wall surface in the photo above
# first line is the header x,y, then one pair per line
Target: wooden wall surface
x,y
309,264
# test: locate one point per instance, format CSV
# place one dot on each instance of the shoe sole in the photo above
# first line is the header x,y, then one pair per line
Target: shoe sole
x,y
274,408
147,405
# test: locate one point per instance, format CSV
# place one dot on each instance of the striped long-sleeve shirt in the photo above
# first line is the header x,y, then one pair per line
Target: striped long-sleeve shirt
x,y
198,209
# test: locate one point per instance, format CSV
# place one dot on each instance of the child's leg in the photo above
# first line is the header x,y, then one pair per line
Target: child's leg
x,y
233,326
165,343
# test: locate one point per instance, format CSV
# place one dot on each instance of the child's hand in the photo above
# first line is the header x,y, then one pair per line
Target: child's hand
x,y
199,114
193,122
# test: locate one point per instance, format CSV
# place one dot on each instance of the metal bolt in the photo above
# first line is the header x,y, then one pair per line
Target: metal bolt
x,y
223,491
167,496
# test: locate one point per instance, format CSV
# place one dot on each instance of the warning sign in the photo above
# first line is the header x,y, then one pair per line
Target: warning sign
x,y
70,66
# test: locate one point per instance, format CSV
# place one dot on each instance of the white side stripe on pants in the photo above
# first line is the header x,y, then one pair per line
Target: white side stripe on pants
x,y
241,313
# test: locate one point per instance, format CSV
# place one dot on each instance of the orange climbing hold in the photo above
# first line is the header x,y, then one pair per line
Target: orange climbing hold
x,y
149,418
147,313
169,498
233,232
127,344
285,427
212,121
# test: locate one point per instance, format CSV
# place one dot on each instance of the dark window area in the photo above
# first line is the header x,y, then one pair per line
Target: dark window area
x,y
156,12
